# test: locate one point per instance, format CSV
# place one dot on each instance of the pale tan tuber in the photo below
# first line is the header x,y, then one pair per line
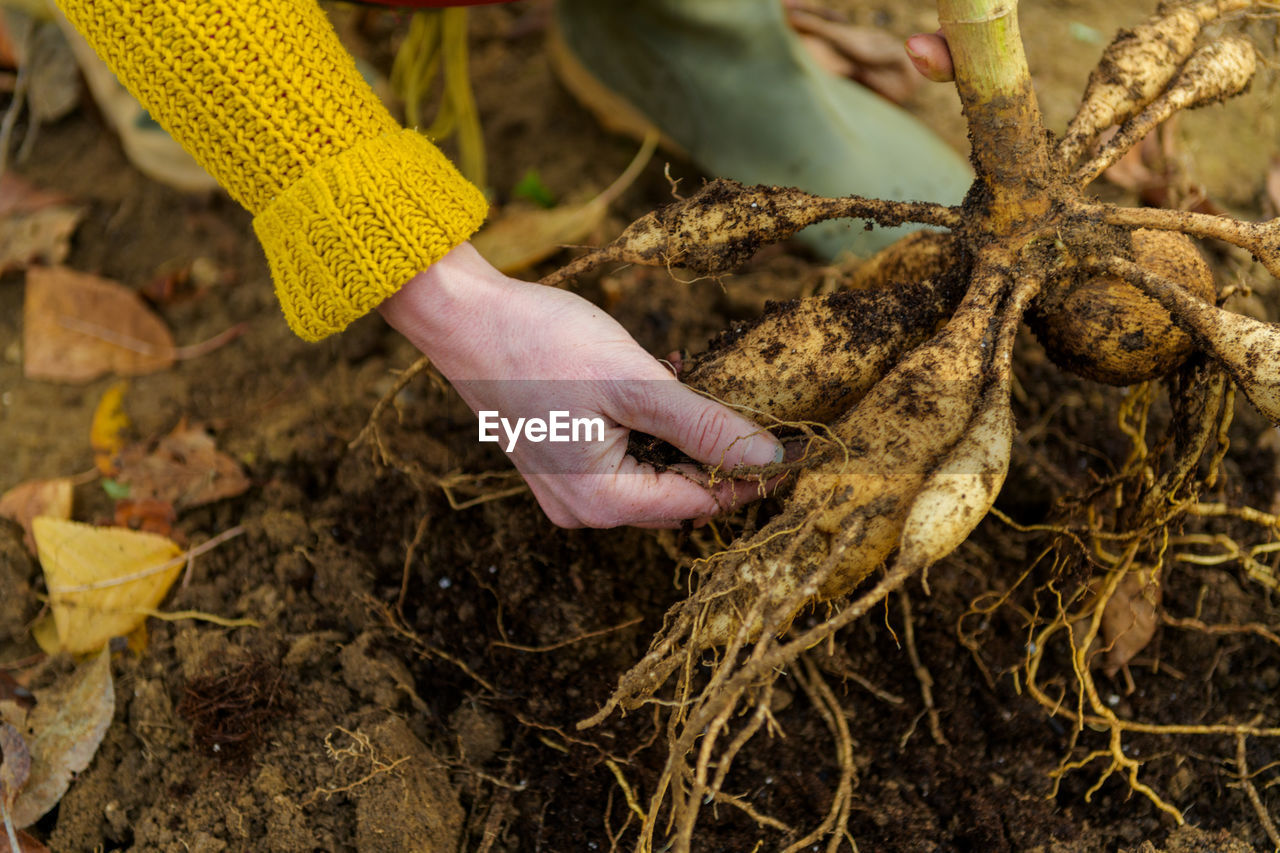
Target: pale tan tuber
x,y
1104,329
723,224
1136,67
1217,71
812,359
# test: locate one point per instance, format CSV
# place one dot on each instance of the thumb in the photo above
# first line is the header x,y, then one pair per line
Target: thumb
x,y
931,55
703,429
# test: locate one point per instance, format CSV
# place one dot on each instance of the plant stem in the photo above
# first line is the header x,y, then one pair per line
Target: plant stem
x,y
1010,150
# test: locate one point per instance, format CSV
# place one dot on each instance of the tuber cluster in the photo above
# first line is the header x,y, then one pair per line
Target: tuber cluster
x,y
905,378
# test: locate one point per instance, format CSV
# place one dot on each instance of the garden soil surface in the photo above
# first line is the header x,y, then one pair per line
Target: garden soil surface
x,y
418,669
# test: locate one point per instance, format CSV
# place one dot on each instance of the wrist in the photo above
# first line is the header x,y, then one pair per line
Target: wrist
x,y
444,311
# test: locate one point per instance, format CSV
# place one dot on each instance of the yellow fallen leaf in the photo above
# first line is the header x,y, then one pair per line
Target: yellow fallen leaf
x,y
521,237
45,633
102,581
106,432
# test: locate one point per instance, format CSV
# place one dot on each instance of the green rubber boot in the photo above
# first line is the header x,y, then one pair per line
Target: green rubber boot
x,y
732,86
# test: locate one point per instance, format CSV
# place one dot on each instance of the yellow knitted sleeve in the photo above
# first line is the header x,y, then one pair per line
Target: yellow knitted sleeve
x,y
348,205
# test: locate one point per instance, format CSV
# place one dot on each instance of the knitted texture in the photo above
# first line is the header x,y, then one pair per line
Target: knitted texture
x,y
348,206
360,225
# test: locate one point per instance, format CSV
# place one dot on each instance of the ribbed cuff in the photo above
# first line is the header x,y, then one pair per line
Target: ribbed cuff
x,y
358,226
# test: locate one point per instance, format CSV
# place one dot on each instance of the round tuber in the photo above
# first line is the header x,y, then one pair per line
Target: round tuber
x,y
1102,328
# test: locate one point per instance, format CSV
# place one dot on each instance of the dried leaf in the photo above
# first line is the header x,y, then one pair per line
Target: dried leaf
x,y
106,432
1130,619
148,514
522,236
53,88
25,501
1133,171
35,224
40,236
184,469
102,581
1155,171
26,844
76,327
15,764
18,196
828,58
12,23
68,725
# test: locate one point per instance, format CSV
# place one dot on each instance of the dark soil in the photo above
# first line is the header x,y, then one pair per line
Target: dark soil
x,y
348,722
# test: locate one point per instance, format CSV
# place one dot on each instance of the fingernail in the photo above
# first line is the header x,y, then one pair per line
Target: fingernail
x,y
761,449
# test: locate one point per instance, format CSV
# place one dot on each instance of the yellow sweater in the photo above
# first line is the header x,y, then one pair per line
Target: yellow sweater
x,y
348,205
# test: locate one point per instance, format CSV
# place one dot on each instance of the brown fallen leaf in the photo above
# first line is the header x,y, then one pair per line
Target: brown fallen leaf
x,y
18,195
1134,170
184,469
15,764
36,225
25,501
1154,170
180,282
11,25
77,327
520,237
65,727
103,582
40,236
26,844
148,515
15,767
1130,619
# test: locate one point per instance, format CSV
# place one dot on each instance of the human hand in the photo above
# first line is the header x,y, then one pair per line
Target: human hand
x,y
523,350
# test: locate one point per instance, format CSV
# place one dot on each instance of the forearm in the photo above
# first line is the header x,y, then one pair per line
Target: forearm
x,y
348,206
